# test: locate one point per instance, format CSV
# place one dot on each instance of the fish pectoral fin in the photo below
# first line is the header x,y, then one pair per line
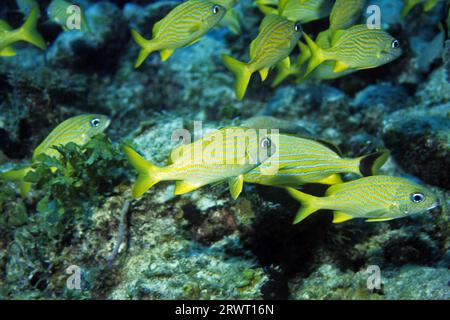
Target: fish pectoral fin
x,y
8,52
165,54
263,73
379,219
236,185
340,217
182,187
340,67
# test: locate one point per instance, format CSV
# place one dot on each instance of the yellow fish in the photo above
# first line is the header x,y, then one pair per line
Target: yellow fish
x,y
182,26
27,32
276,39
79,129
300,161
225,154
378,198
355,48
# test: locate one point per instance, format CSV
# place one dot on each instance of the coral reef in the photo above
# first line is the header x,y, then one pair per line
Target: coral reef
x,y
204,245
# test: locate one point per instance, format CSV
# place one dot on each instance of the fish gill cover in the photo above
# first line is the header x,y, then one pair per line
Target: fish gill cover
x,y
224,149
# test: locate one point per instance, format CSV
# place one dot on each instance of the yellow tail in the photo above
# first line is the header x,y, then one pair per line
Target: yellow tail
x,y
28,31
18,176
267,9
241,72
147,172
317,56
310,204
147,47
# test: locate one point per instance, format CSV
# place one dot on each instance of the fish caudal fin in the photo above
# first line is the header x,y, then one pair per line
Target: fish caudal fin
x,y
19,177
241,72
267,9
28,31
147,47
317,56
310,204
370,164
148,173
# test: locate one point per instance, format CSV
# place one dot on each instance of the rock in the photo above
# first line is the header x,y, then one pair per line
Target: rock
x,y
419,140
409,282
99,50
435,90
375,101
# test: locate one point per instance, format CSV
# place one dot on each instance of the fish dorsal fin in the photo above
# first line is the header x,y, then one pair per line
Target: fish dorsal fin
x,y
336,36
8,52
340,67
157,27
165,54
329,145
323,39
378,219
182,187
263,73
340,217
267,20
236,184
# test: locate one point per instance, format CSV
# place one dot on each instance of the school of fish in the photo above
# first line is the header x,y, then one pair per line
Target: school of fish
x,y
254,152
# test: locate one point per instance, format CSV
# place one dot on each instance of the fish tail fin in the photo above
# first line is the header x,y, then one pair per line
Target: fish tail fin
x,y
242,73
147,172
18,176
282,5
369,165
147,47
266,10
305,53
310,204
28,31
317,56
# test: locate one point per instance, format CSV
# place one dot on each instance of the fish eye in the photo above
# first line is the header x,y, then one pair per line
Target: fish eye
x,y
216,9
266,143
298,27
395,44
95,122
417,197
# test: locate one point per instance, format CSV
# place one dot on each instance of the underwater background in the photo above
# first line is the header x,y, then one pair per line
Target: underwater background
x,y
204,244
